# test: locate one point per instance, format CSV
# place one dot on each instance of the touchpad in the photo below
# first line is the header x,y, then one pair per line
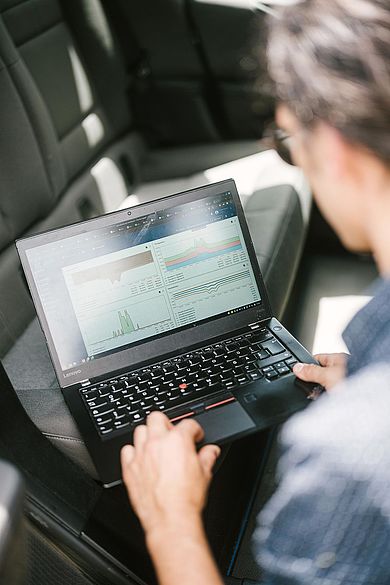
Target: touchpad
x,y
224,423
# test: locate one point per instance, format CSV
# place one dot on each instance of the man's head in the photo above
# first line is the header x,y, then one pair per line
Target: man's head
x,y
330,62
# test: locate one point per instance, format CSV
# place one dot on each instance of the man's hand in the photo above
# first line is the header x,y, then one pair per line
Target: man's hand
x,y
167,482
328,374
166,478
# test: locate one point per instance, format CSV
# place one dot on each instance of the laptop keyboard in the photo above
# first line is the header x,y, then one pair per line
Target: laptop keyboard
x,y
208,373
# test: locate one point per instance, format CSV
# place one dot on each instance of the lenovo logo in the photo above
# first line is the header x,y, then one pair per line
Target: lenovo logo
x,y
74,373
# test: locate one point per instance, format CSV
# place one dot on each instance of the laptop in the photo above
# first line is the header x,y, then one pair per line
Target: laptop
x,y
162,306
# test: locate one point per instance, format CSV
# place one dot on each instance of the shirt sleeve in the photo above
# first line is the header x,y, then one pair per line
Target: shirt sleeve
x,y
329,521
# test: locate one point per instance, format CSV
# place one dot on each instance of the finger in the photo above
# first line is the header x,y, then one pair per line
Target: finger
x,y
127,456
191,429
140,437
208,456
158,424
311,373
323,358
332,359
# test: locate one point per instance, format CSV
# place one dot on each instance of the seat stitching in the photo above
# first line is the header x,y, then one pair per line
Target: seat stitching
x,y
15,6
63,438
33,124
95,108
40,33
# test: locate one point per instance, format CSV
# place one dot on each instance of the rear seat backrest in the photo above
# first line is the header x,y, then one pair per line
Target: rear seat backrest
x,y
43,39
172,100
26,193
102,58
162,30
53,129
22,171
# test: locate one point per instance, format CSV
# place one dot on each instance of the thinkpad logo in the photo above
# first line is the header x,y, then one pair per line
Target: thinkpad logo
x,y
74,373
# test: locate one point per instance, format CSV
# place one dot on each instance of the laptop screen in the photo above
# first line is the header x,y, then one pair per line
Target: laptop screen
x,y
107,289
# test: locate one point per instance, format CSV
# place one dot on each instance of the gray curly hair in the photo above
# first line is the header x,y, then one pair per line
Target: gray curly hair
x,y
330,60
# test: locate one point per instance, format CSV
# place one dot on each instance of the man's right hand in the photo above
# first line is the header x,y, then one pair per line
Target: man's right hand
x,y
331,371
167,479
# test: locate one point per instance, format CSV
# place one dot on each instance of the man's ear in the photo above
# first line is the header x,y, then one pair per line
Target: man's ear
x,y
336,152
286,119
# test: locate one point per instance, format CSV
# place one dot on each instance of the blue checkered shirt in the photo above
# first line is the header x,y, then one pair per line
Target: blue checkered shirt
x,y
329,520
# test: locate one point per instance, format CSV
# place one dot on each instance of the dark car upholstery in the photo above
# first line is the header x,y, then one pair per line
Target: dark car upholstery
x,y
71,147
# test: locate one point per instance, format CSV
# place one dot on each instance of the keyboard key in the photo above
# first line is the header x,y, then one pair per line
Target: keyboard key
x,y
91,395
279,365
106,430
283,370
273,359
229,383
219,351
291,362
168,368
131,381
118,424
102,411
242,379
138,417
134,399
215,387
159,401
118,415
273,347
103,421
132,410
267,369
198,386
262,335
232,347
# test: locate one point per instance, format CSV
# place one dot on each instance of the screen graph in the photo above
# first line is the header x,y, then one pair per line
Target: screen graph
x,y
211,287
118,298
113,327
206,271
112,271
202,250
126,324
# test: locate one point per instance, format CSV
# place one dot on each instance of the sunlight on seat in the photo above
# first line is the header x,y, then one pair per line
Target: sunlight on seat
x,y
130,201
110,182
249,4
93,129
81,81
264,5
98,21
334,313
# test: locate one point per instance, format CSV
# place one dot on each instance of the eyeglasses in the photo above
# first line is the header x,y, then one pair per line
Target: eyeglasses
x,y
278,139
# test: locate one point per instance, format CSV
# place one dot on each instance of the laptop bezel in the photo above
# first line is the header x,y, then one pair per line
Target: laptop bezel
x,y
154,349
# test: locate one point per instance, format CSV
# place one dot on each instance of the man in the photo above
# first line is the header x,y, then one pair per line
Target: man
x,y
329,520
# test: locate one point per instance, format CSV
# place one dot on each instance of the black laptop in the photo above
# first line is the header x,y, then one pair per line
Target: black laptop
x,y
162,307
